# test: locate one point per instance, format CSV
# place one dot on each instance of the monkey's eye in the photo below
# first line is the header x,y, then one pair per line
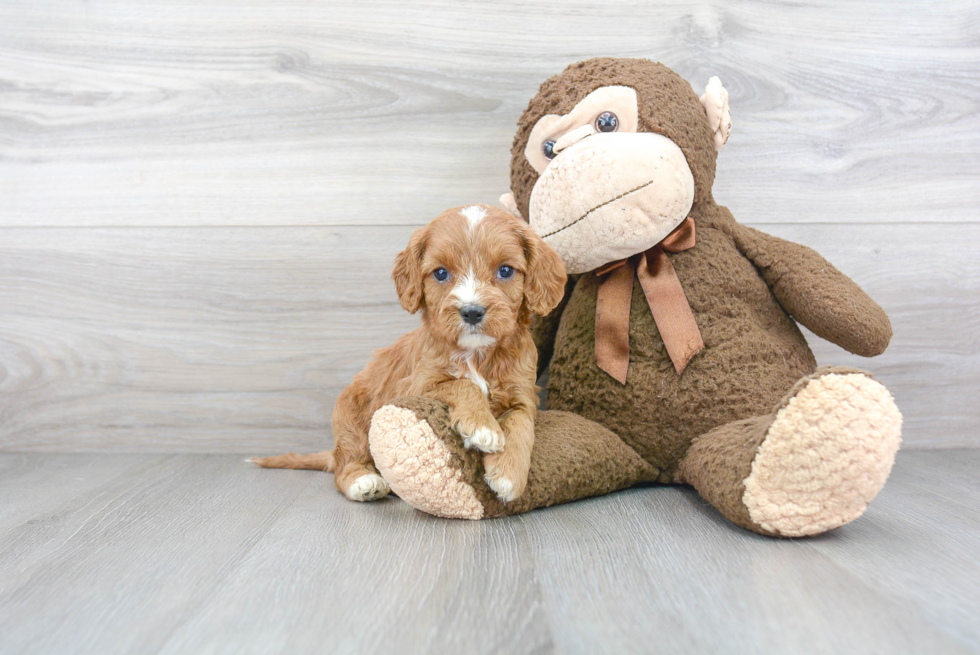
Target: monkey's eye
x,y
606,122
440,274
505,272
549,149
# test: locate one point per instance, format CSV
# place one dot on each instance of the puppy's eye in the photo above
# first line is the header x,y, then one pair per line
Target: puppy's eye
x,y
549,149
505,272
440,274
606,122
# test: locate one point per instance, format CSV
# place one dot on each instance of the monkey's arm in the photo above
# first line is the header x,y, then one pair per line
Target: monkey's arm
x,y
816,294
544,328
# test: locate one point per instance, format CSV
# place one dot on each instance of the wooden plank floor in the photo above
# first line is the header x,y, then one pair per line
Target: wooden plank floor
x,y
194,553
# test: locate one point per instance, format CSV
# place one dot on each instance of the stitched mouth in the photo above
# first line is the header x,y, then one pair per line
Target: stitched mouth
x,y
599,206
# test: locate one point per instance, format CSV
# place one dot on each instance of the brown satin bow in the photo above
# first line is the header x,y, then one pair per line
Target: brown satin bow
x,y
671,310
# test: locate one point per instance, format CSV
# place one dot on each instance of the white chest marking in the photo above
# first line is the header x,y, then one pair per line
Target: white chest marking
x,y
475,377
468,365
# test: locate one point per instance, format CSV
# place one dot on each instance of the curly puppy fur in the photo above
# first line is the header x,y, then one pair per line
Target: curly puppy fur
x,y
482,365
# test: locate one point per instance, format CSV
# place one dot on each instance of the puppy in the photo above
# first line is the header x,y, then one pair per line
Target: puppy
x,y
476,274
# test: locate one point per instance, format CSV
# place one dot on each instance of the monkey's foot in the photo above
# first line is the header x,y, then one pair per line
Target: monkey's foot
x,y
811,466
826,455
421,466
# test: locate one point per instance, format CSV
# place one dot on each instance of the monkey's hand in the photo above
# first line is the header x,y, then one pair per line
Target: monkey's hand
x,y
816,294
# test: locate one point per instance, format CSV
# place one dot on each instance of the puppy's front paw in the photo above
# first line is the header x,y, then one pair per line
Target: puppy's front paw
x,y
502,486
506,477
488,438
368,487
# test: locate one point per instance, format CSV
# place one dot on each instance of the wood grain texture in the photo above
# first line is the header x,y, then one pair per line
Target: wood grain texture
x,y
381,112
201,200
231,339
202,339
203,554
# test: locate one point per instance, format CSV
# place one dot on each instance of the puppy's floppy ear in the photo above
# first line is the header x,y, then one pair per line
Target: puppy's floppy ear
x,y
544,282
407,273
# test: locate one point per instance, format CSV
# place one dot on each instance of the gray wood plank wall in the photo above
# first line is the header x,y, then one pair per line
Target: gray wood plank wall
x,y
200,201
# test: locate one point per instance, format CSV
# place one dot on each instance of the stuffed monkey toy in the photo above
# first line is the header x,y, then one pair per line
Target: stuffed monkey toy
x,y
675,356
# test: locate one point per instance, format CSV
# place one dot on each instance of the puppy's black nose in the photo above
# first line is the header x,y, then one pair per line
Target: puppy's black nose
x,y
472,314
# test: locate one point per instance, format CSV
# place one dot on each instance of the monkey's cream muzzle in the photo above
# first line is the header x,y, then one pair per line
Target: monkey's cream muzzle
x,y
608,196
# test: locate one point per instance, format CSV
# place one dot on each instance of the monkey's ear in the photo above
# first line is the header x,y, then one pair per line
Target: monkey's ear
x,y
508,202
544,282
407,273
715,101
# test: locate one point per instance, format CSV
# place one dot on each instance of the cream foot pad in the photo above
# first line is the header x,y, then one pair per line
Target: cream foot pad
x,y
826,455
417,465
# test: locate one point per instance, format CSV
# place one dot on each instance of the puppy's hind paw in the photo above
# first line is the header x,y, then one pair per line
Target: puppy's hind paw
x,y
368,487
484,439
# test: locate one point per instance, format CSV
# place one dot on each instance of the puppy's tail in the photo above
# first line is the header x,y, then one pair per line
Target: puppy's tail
x,y
322,461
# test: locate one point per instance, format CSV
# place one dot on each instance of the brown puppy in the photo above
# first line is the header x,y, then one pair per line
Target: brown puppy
x,y
477,274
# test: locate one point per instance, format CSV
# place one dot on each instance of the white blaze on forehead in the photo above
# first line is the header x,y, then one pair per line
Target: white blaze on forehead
x,y
474,214
467,290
